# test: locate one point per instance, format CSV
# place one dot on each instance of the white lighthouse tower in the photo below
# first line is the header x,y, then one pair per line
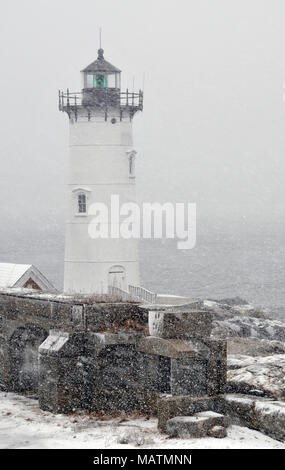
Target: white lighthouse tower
x,y
101,165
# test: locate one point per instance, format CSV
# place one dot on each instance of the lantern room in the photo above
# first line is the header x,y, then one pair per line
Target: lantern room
x,y
100,74
101,92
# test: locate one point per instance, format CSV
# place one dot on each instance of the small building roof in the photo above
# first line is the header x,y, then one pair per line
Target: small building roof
x,y
16,275
101,65
11,273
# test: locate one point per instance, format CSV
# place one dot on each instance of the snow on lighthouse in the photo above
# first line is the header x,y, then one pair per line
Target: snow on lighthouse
x,y
101,164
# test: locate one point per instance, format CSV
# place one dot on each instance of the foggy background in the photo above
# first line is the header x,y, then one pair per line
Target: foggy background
x,y
212,131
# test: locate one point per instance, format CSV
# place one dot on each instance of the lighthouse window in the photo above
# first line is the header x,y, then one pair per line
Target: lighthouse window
x,y
132,165
82,204
99,81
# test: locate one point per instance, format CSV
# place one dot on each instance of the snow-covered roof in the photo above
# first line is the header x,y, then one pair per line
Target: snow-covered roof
x,y
11,273
101,65
19,275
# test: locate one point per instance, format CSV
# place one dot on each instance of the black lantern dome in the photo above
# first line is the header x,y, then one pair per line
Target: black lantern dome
x,y
101,74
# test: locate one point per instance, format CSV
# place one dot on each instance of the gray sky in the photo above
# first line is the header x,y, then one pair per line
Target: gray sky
x,y
212,130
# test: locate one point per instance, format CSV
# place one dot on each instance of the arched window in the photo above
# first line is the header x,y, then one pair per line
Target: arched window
x,y
80,196
82,206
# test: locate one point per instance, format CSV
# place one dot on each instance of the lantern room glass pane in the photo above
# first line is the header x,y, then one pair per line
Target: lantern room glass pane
x,y
89,81
118,80
112,80
99,81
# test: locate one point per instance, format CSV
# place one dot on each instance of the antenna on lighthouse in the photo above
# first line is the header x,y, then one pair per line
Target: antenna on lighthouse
x,y
100,37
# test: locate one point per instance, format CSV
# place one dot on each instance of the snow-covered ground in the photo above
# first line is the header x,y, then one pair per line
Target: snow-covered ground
x,y
24,426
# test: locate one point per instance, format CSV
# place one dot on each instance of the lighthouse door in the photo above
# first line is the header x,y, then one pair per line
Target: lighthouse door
x,y
117,277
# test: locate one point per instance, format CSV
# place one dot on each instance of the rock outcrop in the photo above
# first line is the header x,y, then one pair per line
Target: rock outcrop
x,y
261,376
243,321
256,347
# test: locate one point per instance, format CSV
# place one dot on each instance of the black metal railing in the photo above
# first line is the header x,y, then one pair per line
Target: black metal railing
x,y
103,98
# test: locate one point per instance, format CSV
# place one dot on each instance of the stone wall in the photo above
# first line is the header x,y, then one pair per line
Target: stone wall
x,y
112,356
128,369
263,414
27,317
121,356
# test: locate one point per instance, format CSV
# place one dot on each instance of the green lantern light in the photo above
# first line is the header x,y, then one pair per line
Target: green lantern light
x,y
99,81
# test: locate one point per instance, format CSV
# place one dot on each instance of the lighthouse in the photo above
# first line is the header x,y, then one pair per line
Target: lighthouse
x,y
101,166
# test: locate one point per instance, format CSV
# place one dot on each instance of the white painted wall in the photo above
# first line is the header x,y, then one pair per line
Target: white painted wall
x,y
99,164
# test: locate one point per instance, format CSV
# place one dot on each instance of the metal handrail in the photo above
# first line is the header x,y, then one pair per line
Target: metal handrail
x,y
134,293
141,293
69,100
